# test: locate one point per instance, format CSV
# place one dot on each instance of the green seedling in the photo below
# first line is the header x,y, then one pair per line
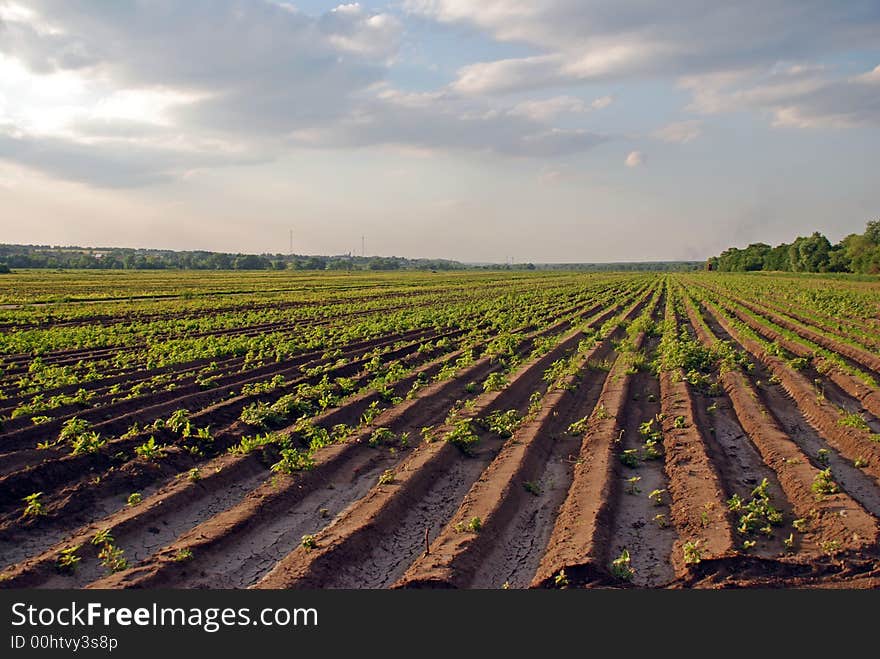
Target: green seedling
x,y
657,497
621,567
33,505
67,559
632,487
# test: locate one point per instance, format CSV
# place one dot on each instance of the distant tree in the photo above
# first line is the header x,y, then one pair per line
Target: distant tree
x,y
777,258
250,262
811,254
872,232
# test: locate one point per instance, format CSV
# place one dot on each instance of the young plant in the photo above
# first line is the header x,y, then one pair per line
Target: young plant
x,y
561,580
474,525
292,460
630,457
823,484
657,497
134,499
113,558
150,451
381,436
102,537
693,554
621,567
632,487
67,559
183,554
33,506
503,424
462,435
578,427
532,488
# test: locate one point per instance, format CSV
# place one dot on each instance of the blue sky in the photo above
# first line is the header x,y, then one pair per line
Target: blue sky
x,y
547,131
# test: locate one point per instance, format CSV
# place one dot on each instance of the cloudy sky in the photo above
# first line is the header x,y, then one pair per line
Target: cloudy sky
x,y
540,130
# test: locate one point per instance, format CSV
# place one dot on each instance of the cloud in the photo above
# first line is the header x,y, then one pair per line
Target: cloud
x,y
801,97
112,164
584,40
602,102
635,159
446,124
552,176
252,79
680,132
549,108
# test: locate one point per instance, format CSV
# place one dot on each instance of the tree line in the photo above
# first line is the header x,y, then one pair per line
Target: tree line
x,y
118,258
88,258
857,252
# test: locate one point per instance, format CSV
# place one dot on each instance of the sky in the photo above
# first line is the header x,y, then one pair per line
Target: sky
x,y
492,131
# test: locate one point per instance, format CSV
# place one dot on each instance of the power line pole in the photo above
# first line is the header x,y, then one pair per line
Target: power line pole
x,y
291,242
363,242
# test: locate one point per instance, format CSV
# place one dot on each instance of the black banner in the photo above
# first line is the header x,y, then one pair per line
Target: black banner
x,y
131,623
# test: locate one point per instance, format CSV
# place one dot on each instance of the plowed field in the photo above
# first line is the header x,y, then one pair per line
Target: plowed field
x,y
466,430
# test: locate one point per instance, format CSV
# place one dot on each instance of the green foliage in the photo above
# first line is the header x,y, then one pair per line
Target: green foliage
x,y
261,415
657,496
503,424
630,458
495,382
33,506
102,537
474,525
87,442
182,555
382,436
758,514
179,423
113,558
853,420
692,551
293,460
859,253
67,559
823,484
579,427
249,444
621,567
150,450
462,435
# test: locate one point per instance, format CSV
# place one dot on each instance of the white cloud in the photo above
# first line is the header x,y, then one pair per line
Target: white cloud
x,y
634,159
602,102
549,108
582,40
801,97
680,132
352,29
162,78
